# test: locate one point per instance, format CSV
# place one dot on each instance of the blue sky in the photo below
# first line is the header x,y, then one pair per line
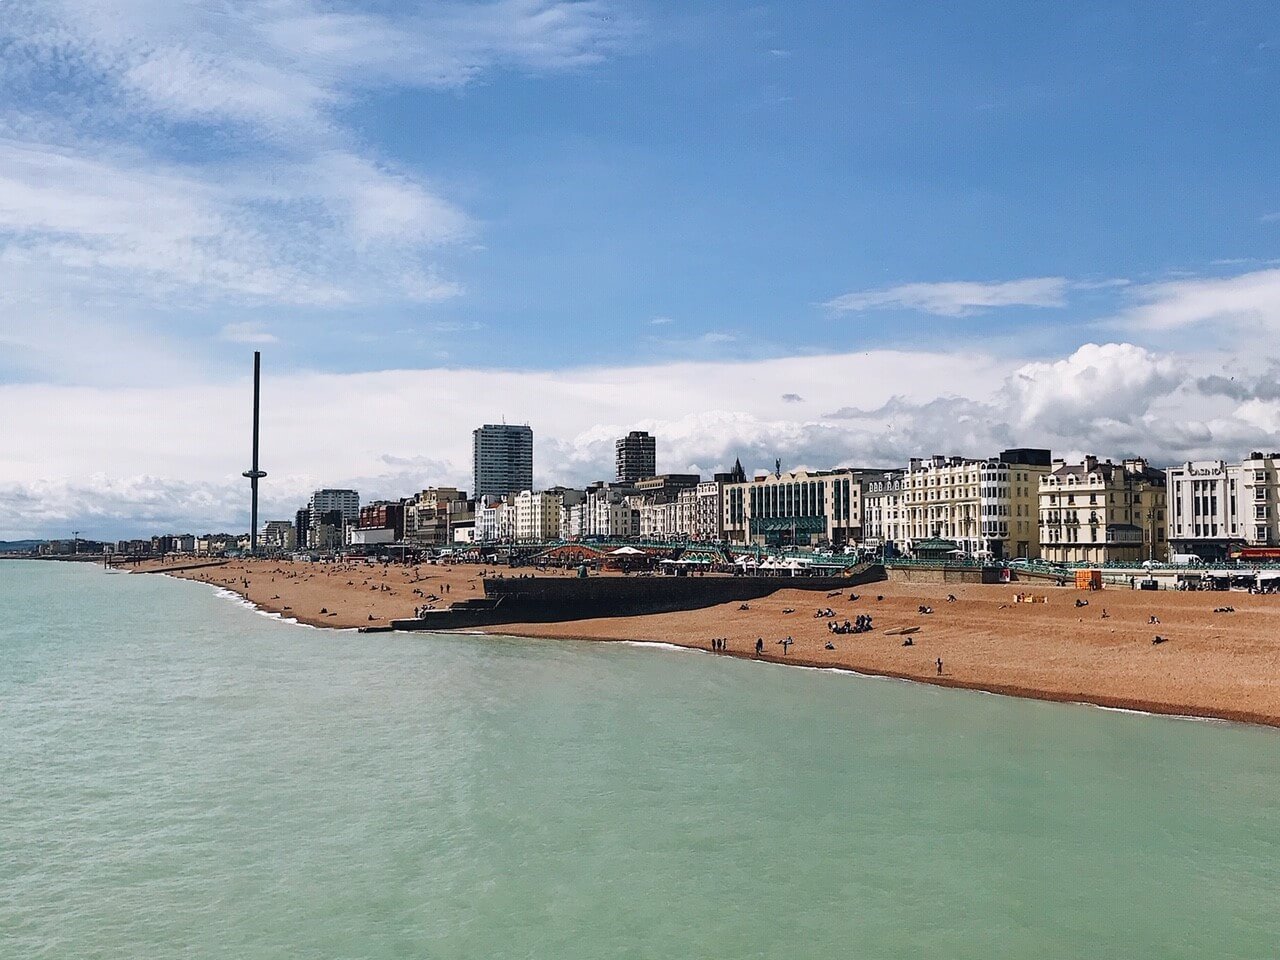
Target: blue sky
x,y
1069,207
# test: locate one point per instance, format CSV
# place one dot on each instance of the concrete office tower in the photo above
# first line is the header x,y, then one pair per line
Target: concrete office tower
x,y
344,502
636,456
503,459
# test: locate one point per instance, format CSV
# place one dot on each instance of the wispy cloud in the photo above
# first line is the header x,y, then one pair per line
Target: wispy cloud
x,y
103,208
1221,302
246,333
956,298
662,321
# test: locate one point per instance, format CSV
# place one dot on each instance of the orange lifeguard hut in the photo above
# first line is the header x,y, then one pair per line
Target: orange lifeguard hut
x,y
1088,579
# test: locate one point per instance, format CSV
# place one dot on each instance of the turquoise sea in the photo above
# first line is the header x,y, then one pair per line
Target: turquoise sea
x,y
181,776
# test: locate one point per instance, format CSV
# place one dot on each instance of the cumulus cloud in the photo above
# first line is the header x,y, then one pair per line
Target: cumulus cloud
x,y
1115,381
956,298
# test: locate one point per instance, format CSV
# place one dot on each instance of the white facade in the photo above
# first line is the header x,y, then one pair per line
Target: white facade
x,y
357,537
658,521
1214,505
1207,509
609,513
495,520
537,516
708,511
884,515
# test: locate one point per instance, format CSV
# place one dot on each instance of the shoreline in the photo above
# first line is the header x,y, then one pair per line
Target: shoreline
x,y
1116,705
1219,667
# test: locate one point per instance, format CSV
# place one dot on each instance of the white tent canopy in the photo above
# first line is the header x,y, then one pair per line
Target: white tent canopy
x,y
625,552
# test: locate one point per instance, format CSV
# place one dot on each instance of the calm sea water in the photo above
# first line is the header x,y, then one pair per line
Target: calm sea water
x,y
183,777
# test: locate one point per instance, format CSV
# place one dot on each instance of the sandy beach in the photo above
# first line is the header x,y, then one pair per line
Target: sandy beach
x,y
1221,665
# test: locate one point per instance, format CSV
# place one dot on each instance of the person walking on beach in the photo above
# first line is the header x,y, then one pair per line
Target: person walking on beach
x,y
939,666
759,645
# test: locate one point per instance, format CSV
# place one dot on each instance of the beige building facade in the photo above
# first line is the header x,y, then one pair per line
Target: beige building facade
x,y
1103,512
989,507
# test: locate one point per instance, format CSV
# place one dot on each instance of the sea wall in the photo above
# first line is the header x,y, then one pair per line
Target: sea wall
x,y
557,599
944,574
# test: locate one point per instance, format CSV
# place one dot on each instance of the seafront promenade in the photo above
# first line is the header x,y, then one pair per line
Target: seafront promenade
x,y
1214,664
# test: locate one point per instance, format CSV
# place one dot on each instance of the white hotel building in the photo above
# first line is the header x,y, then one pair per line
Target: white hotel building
x,y
1214,505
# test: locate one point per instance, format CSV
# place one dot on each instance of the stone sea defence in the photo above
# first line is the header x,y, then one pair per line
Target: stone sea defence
x,y
556,599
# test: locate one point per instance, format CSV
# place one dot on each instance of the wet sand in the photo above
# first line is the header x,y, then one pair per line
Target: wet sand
x,y
1222,665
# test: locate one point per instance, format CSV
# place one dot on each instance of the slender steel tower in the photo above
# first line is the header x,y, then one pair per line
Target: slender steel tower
x,y
255,474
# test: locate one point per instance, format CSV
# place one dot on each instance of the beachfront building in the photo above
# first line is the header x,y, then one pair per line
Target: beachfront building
x,y
1260,500
431,516
571,519
1215,505
1103,512
665,505
610,511
494,520
707,522
302,529
635,456
345,502
884,520
1207,510
798,507
277,535
502,457
988,507
537,516
383,515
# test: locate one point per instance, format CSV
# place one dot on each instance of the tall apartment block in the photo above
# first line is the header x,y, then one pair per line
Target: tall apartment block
x,y
503,459
636,456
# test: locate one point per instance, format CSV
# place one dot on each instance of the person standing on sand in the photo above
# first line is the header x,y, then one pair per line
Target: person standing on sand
x,y
759,645
939,666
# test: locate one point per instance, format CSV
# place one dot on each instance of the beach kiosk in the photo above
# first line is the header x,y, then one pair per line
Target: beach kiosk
x,y
1089,579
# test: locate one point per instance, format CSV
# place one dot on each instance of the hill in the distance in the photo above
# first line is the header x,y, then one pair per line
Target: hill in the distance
x,y
21,546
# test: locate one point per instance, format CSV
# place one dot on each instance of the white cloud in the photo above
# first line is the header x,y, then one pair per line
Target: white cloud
x,y
869,409
246,333
1116,381
97,98
957,298
1224,303
283,66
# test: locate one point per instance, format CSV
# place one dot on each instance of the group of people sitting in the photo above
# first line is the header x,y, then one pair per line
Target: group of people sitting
x,y
1224,609
823,612
923,609
861,624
